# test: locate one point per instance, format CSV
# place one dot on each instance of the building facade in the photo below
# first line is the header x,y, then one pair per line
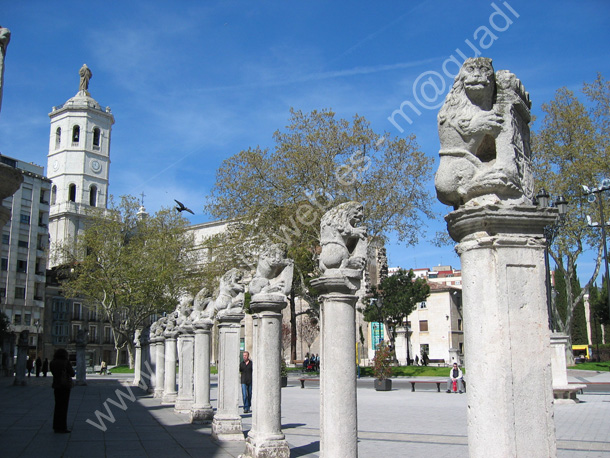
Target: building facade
x,y
23,257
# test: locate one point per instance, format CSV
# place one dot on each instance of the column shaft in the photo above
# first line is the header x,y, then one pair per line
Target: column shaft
x,y
160,368
338,411
227,421
185,398
266,439
169,389
202,411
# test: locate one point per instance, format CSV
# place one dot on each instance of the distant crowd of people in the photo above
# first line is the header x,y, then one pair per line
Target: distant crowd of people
x,y
311,363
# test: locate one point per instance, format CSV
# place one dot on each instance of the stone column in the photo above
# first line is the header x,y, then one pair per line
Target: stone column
x,y
563,392
147,373
202,411
185,399
152,361
81,364
227,424
338,402
160,363
169,388
401,345
266,439
510,395
138,359
22,356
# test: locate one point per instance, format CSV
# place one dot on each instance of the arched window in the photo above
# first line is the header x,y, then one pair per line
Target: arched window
x,y
75,134
96,137
93,195
53,195
58,137
72,193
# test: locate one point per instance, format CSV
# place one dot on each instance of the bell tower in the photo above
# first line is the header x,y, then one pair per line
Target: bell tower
x,y
78,163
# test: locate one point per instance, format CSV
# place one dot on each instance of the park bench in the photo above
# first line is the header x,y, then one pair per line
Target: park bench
x,y
303,380
437,382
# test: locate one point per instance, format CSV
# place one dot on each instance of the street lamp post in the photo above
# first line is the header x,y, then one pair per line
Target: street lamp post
x,y
596,193
550,232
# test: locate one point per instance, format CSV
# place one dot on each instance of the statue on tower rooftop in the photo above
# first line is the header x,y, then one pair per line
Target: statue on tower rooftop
x,y
85,75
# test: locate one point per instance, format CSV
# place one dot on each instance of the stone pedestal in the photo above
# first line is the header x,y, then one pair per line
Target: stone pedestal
x,y
186,344
152,364
137,368
401,345
160,370
563,392
266,439
81,365
169,386
147,374
226,425
338,402
510,395
202,411
22,356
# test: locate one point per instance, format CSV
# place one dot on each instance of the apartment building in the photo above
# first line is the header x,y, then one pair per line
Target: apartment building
x,y
23,256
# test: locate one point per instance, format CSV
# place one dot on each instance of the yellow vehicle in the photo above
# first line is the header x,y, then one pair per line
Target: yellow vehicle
x,y
582,353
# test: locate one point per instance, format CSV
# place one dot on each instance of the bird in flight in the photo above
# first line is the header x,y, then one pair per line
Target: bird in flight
x,y
181,208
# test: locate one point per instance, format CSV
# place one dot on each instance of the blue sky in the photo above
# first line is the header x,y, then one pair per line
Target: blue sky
x,y
191,83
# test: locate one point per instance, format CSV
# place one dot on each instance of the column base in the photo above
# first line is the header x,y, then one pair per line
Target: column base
x,y
202,415
158,393
183,406
266,448
227,429
169,398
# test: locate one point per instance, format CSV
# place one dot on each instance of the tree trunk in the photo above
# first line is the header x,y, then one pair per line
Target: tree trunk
x,y
131,354
293,328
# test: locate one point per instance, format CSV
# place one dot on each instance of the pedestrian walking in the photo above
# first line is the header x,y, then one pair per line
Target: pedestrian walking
x,y
38,366
45,367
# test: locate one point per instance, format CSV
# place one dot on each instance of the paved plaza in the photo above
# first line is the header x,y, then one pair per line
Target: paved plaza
x,y
398,423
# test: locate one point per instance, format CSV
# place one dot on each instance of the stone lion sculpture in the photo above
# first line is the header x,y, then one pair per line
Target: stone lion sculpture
x,y
273,272
184,310
203,306
230,299
484,135
159,327
343,244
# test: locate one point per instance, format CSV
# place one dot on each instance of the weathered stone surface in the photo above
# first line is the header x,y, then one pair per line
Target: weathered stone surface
x,y
227,421
485,139
230,299
201,410
563,392
266,439
344,246
81,363
273,278
510,400
342,261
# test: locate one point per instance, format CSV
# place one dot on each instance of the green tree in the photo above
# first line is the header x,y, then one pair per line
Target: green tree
x,y
317,162
571,149
395,299
131,266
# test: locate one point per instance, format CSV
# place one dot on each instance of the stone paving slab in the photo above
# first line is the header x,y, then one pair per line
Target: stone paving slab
x,y
398,423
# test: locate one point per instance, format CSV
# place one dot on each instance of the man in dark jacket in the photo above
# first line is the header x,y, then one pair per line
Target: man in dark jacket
x,y
62,384
245,368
